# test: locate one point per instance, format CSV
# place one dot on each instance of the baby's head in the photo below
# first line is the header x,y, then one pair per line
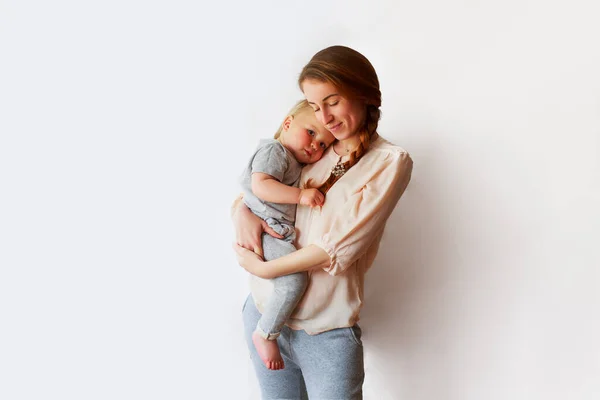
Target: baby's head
x,y
304,136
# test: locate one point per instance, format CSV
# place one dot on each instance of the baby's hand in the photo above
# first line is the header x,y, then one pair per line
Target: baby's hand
x,y
311,198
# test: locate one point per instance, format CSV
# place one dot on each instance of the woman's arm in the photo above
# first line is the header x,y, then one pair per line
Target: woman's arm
x,y
349,230
249,227
307,258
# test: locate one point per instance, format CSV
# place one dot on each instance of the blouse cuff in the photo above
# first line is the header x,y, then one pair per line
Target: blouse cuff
x,y
333,268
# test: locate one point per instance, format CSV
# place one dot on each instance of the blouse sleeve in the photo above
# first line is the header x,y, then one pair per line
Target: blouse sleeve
x,y
359,220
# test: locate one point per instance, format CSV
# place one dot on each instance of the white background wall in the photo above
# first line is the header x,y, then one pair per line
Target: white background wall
x,y
125,124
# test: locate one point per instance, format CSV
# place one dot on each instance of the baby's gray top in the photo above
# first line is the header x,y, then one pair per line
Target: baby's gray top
x,y
273,159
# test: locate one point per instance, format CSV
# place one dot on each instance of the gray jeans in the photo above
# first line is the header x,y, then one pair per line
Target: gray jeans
x,y
287,289
324,366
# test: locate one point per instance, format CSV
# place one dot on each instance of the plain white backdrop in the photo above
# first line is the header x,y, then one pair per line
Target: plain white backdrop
x,y
125,125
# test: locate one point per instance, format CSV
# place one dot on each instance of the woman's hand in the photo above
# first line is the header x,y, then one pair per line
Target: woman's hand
x,y
250,261
249,229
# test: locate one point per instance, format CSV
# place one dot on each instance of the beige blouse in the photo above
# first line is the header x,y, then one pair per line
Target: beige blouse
x,y
349,228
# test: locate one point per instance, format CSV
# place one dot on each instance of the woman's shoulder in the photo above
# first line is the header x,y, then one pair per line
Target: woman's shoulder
x,y
383,148
390,163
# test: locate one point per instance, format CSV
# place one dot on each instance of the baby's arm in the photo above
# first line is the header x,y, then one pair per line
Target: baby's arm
x,y
267,188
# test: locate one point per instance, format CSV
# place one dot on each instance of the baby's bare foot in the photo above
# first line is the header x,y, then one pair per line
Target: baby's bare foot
x,y
268,350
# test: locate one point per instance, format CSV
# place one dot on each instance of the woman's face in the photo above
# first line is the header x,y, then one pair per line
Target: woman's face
x,y
341,115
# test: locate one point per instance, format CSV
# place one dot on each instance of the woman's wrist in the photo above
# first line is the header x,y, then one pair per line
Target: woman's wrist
x,y
259,268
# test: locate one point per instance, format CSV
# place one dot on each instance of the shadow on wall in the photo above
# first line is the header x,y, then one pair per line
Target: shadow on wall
x,y
436,294
404,314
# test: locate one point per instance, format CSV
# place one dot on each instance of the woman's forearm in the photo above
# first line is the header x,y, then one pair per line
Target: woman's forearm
x,y
309,257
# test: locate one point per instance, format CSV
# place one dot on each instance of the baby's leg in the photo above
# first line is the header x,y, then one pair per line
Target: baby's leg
x,y
287,291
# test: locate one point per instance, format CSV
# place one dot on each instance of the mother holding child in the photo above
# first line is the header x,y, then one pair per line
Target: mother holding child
x,y
308,263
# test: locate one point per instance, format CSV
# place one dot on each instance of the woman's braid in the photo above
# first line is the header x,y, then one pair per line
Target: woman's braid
x,y
371,122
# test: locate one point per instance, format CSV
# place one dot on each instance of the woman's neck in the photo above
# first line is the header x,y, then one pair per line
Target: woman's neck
x,y
346,146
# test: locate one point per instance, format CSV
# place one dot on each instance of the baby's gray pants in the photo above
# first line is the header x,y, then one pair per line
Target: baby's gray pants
x,y
287,289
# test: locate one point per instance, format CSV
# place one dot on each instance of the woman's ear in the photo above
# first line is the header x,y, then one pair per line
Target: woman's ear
x,y
287,122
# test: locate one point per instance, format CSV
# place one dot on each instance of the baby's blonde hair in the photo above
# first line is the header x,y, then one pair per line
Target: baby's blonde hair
x,y
299,107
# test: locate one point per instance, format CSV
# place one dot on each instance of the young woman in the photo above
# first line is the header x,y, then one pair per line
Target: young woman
x,y
364,176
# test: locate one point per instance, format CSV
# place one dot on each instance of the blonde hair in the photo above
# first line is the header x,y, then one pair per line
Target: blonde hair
x,y
354,76
299,107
